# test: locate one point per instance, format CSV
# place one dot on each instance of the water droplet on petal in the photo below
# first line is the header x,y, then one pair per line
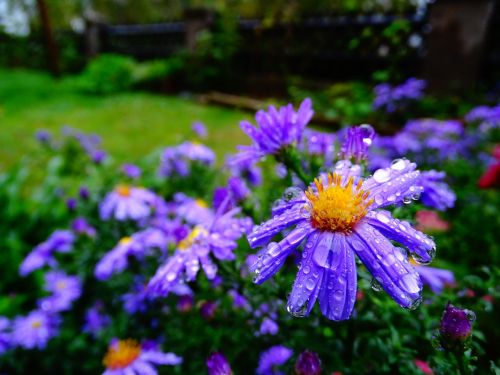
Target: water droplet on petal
x,y
376,286
398,164
381,175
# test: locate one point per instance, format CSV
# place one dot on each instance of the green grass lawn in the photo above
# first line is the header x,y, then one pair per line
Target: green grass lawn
x,y
131,124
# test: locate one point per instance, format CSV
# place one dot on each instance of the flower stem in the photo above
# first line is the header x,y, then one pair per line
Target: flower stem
x,y
291,159
463,368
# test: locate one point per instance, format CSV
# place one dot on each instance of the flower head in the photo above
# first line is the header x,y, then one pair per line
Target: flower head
x,y
392,98
308,363
177,160
455,328
128,357
96,320
81,226
126,202
34,330
64,291
435,278
336,218
131,170
199,129
60,241
272,358
423,366
357,142
217,364
277,129
436,194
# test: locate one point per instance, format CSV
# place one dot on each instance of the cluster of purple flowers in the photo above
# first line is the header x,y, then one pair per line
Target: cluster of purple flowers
x,y
90,143
177,160
392,98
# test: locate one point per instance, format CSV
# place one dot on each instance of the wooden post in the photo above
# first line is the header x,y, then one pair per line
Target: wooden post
x,y
197,20
455,44
50,43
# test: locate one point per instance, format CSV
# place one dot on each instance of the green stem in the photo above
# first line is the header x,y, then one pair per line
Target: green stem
x,y
463,369
291,160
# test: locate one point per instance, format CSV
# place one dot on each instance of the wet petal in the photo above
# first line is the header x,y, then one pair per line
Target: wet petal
x,y
421,245
387,264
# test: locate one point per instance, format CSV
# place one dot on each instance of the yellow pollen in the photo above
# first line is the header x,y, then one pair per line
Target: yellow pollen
x,y
123,190
201,203
121,354
36,324
337,208
125,241
412,262
187,242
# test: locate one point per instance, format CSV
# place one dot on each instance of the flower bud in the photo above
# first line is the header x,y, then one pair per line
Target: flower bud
x,y
455,328
217,364
308,363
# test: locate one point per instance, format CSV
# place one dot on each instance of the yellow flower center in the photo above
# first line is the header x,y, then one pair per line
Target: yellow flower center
x,y
121,354
123,190
201,203
36,324
337,208
125,241
187,242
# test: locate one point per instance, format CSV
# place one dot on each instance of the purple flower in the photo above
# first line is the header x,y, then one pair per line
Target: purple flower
x,y
128,357
437,194
176,160
64,291
199,129
43,136
34,330
489,117
71,204
244,169
338,218
81,226
131,170
308,363
435,278
239,300
126,202
217,364
193,211
392,98
5,336
208,309
455,327
138,245
216,238
136,301
268,327
95,320
277,129
238,188
98,156
357,142
84,193
272,358
60,241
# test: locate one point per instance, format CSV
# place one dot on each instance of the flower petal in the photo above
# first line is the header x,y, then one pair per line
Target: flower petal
x,y
387,265
421,245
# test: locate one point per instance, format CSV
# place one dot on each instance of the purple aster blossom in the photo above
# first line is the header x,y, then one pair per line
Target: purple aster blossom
x,y
268,327
5,336
138,245
239,300
221,196
488,117
247,170
131,170
43,136
208,309
308,363
437,194
60,241
71,204
98,156
137,300
199,129
96,320
126,202
34,330
84,193
193,211
185,303
81,226
435,278
337,218
238,188
217,364
216,238
176,160
357,142
64,291
128,357
272,358
276,130
392,98
319,144
455,328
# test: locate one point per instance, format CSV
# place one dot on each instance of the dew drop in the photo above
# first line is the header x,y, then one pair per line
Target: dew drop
x,y
310,283
381,175
398,164
375,285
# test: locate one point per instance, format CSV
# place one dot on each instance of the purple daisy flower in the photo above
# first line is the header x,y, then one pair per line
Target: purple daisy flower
x,y
277,129
5,336
43,136
199,129
273,357
435,278
319,144
176,160
64,291
437,194
217,364
95,320
60,241
336,219
126,202
34,330
239,300
81,226
392,98
128,357
216,238
193,211
357,142
116,260
268,327
247,170
131,170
